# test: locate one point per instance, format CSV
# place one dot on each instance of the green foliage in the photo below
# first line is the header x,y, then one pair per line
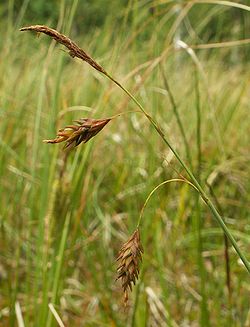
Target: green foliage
x,y
90,13
64,217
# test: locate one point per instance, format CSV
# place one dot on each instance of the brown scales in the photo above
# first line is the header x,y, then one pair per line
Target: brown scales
x,y
129,257
76,134
74,49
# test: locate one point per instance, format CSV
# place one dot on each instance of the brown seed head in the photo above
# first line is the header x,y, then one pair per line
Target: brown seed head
x,y
85,129
129,257
74,49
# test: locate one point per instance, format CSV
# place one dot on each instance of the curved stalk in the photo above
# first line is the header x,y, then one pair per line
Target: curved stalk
x,y
75,51
156,188
202,193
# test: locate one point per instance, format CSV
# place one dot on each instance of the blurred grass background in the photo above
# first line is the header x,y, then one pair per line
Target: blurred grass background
x,y
63,217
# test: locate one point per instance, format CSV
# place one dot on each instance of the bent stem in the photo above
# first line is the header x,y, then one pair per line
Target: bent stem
x,y
202,193
75,51
156,188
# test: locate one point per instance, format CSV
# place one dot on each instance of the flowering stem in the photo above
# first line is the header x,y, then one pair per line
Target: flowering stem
x,y
75,51
202,193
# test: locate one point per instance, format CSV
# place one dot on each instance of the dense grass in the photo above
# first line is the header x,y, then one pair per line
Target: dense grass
x,y
64,217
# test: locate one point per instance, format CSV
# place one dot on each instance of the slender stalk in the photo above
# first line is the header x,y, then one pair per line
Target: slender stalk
x,y
177,115
204,319
205,198
174,180
75,51
226,252
59,264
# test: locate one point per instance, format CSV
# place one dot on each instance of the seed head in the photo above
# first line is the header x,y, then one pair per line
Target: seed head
x,y
74,49
85,129
129,257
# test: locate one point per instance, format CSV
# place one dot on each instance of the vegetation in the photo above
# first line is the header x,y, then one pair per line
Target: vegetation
x,y
66,214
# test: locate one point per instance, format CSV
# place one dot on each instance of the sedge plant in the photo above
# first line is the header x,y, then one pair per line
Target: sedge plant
x,y
130,254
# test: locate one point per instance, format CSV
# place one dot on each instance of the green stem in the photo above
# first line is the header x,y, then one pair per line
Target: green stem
x,y
156,188
59,264
177,116
208,202
204,319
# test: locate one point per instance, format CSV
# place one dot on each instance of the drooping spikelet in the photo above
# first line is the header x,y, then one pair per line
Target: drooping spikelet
x,y
83,132
129,257
74,49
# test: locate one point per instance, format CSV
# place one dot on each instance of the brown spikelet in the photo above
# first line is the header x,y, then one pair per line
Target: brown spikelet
x,y
74,49
129,257
76,134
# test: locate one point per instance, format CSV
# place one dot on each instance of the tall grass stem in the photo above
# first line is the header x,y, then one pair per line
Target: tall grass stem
x,y
177,115
204,319
204,196
59,263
